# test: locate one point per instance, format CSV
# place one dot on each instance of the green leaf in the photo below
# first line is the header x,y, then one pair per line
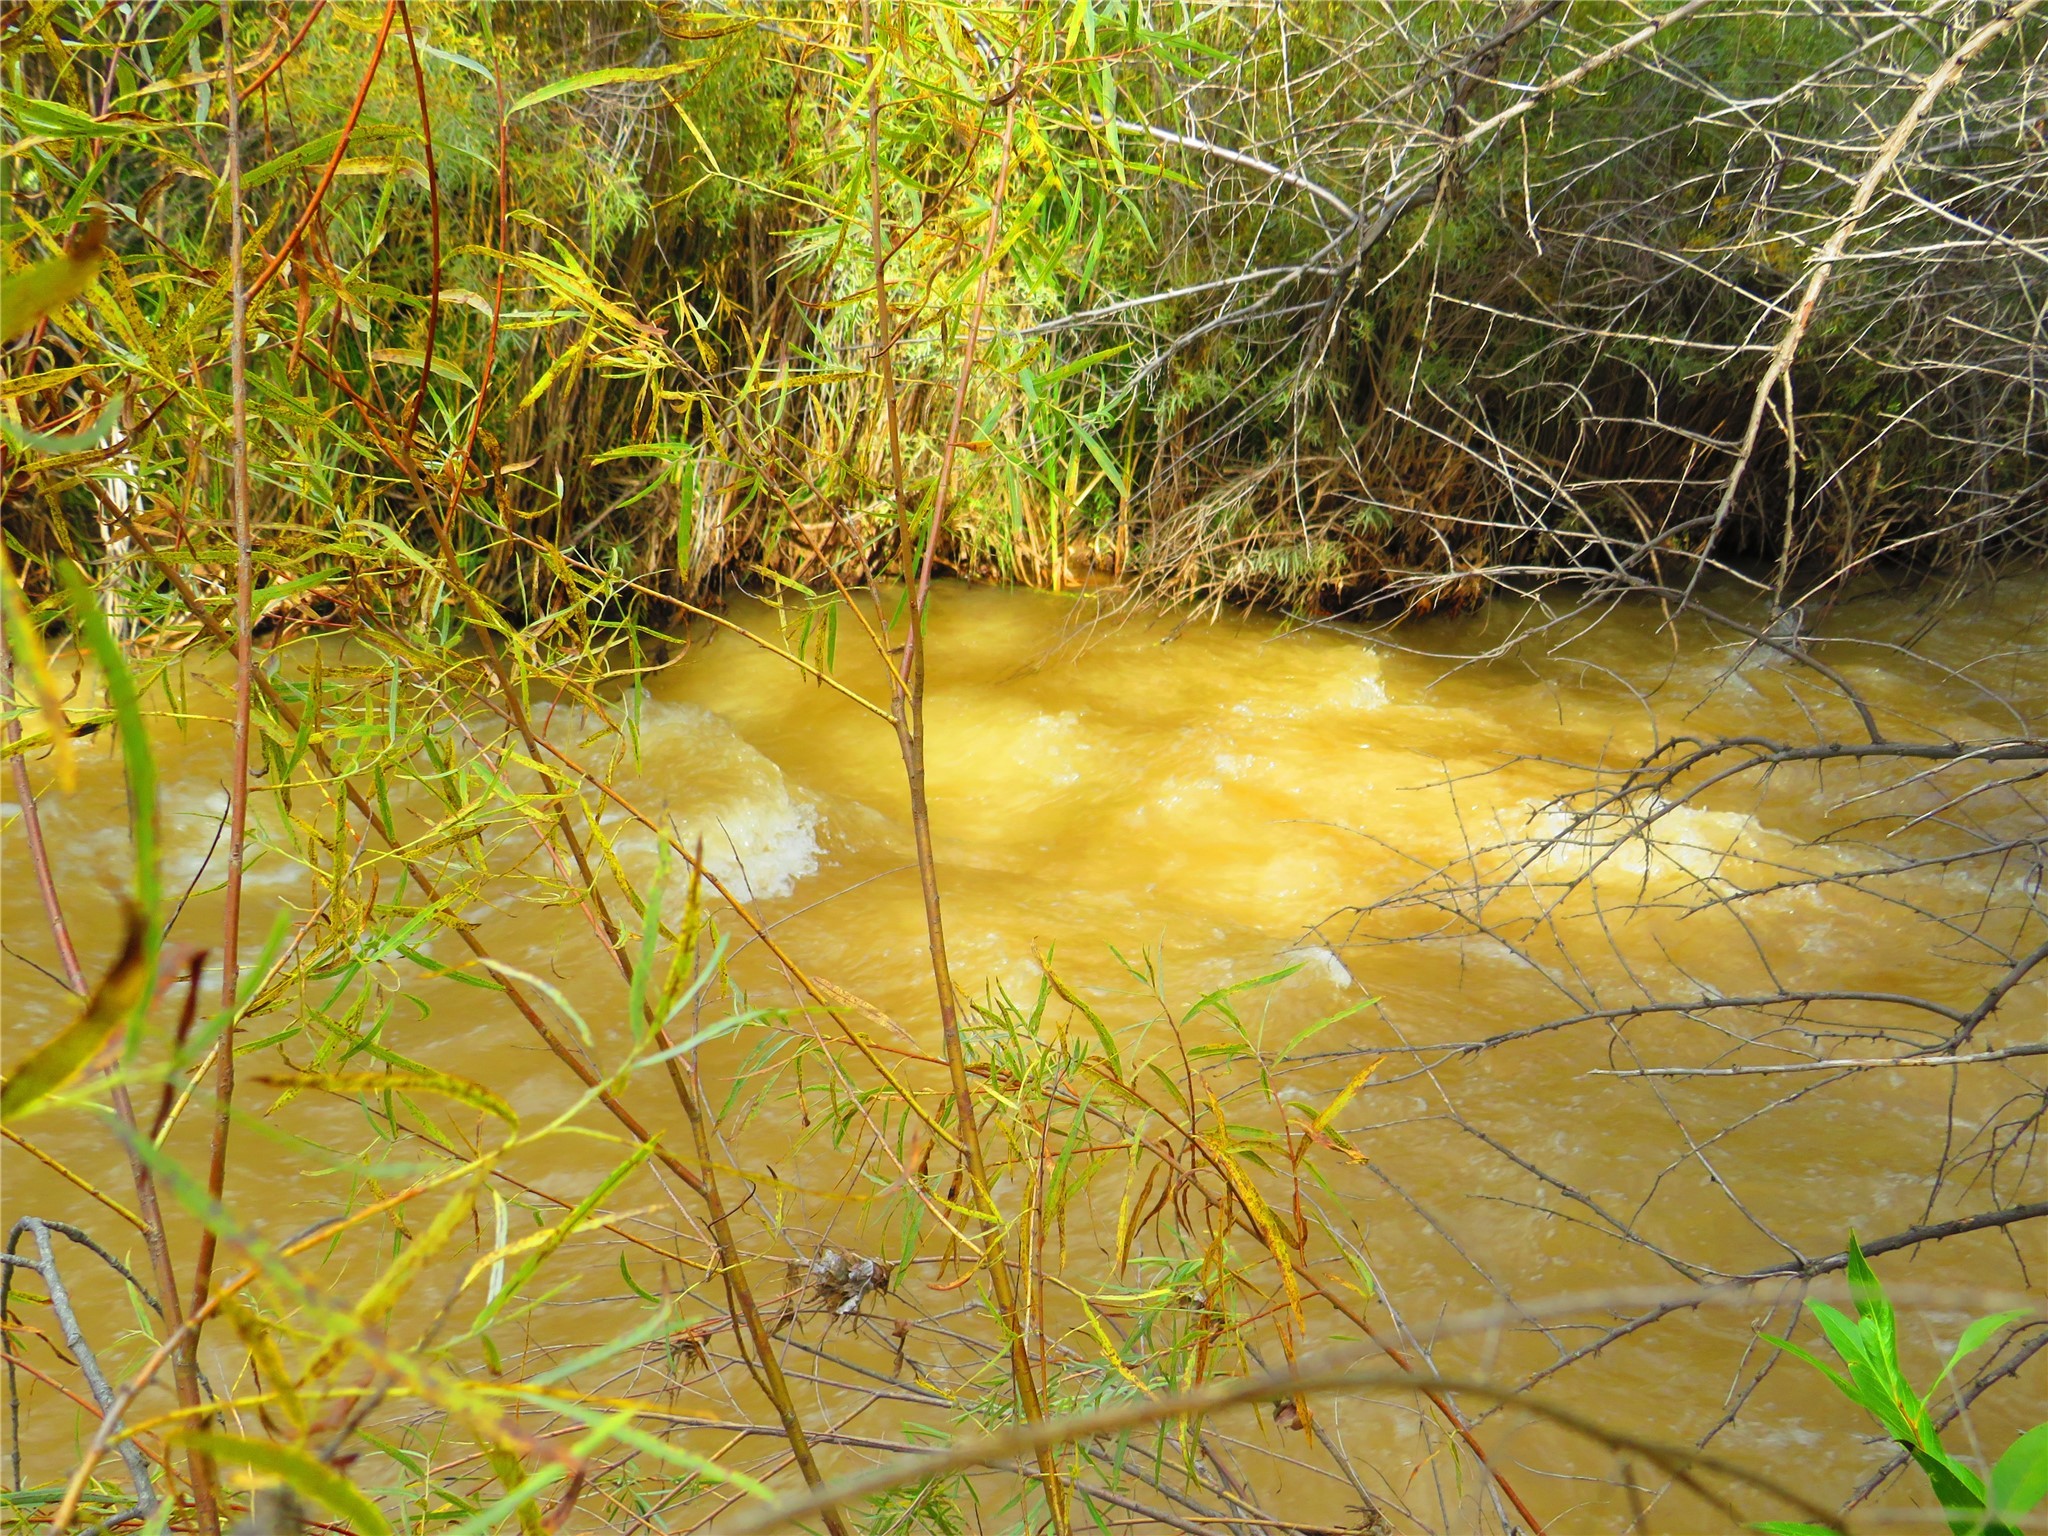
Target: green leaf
x,y
1841,1382
622,1429
90,625
671,451
686,515
2020,1480
307,1477
643,1332
598,77
1848,1339
29,295
635,1286
414,359
40,118
1974,1338
637,1018
1102,1030
1110,470
277,592
461,59
1871,1305
94,436
1961,1494
1067,370
559,1233
318,151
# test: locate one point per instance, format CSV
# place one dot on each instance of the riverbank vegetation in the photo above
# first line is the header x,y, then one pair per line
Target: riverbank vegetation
x,y
391,387
1324,306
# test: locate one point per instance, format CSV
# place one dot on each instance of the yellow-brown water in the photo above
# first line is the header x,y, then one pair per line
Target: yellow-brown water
x,y
1219,801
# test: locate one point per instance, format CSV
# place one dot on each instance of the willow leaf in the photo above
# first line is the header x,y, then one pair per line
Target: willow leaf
x,y
29,296
597,77
307,1477
350,1084
65,1054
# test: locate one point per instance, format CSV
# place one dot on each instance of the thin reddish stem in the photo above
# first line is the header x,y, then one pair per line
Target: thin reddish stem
x,y
348,128
419,83
245,623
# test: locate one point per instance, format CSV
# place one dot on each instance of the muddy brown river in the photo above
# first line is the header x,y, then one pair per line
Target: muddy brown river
x,y
1361,831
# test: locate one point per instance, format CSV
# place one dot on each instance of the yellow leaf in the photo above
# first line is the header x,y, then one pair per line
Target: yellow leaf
x,y
350,1084
505,1465
554,371
263,1350
29,295
30,660
389,1286
65,1054
475,301
1336,1106
1109,1349
32,383
1262,1217
321,1484
549,1237
616,76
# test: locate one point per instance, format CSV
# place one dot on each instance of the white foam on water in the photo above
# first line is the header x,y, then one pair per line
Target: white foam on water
x,y
1006,759
1321,683
87,843
693,773
1659,841
1317,961
194,847
767,850
1059,740
1242,767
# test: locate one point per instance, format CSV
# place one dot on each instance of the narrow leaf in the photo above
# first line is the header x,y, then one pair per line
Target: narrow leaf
x,y
317,152
26,640
29,295
1974,1338
414,359
1335,1107
307,1477
65,1054
349,1085
1841,1382
2020,1480
95,436
40,118
90,625
597,77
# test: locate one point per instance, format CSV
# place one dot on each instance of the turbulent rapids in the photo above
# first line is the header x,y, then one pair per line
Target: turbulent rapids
x,y
1356,848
